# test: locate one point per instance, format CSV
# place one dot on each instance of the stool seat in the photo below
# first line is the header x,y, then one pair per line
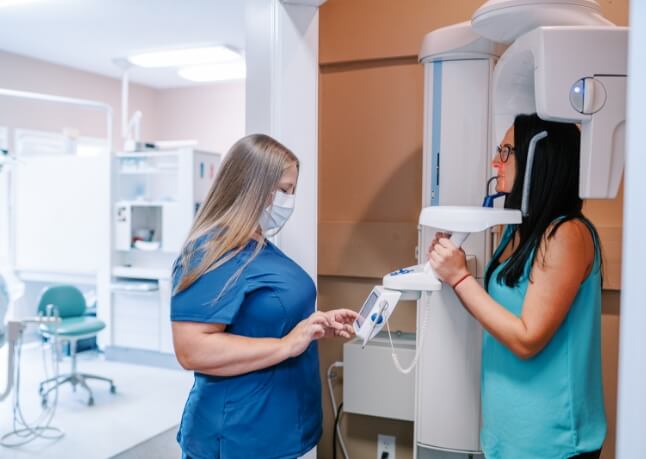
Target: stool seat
x,y
74,326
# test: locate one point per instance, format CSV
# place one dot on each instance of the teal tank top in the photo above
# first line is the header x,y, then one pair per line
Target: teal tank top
x,y
551,405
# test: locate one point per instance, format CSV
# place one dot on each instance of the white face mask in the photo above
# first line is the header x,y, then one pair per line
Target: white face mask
x,y
276,215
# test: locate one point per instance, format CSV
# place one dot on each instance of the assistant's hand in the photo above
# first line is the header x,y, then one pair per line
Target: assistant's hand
x,y
448,260
306,331
341,322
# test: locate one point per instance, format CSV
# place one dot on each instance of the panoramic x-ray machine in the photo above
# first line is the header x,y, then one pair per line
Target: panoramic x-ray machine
x,y
565,62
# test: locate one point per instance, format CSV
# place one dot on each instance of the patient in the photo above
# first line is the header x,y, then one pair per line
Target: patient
x,y
542,396
243,316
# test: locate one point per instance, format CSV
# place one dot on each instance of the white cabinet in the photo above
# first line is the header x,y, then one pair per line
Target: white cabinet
x,y
155,195
136,318
166,336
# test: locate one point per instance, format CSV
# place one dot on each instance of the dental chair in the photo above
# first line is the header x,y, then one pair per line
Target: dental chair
x,y
68,303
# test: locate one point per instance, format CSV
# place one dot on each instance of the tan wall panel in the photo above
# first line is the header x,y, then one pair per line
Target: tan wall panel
x,y
611,246
370,153
354,30
610,359
615,10
365,249
608,212
371,29
607,215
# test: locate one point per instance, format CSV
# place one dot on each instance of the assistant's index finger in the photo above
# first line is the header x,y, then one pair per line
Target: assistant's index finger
x,y
348,313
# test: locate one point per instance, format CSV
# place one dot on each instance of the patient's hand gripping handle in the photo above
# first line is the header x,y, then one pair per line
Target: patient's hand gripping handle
x,y
458,239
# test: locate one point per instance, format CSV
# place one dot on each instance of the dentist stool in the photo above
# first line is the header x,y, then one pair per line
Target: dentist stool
x,y
69,304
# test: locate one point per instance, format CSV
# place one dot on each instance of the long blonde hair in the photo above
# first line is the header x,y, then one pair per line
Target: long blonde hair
x,y
229,216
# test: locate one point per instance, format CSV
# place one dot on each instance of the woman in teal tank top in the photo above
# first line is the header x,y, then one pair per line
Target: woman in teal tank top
x,y
542,395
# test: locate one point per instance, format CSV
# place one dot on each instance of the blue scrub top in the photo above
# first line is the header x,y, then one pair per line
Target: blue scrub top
x,y
270,413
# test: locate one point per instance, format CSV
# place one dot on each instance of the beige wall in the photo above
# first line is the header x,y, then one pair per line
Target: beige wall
x,y
26,74
370,144
212,114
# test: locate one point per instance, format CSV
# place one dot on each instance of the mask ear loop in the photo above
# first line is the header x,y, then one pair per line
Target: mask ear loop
x,y
271,234
528,171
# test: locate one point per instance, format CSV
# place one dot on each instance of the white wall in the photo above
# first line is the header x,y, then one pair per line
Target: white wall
x,y
631,411
282,95
259,53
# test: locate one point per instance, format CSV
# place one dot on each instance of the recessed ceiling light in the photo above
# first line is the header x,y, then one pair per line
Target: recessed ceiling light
x,y
224,71
185,56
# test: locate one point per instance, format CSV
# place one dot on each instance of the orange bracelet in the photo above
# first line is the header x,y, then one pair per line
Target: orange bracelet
x,y
461,279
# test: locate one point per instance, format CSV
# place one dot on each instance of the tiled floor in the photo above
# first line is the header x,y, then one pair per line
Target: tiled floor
x,y
148,402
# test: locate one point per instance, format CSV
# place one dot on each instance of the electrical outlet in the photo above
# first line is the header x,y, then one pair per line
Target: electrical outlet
x,y
385,447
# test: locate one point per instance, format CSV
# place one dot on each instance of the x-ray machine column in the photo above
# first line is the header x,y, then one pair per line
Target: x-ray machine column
x,y
457,153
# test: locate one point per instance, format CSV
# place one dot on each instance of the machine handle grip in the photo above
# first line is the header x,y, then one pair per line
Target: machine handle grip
x,y
459,238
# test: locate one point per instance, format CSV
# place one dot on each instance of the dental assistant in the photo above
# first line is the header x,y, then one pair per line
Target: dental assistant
x,y
542,395
243,316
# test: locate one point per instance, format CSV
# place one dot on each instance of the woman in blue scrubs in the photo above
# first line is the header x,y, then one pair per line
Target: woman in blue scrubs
x,y
542,395
243,317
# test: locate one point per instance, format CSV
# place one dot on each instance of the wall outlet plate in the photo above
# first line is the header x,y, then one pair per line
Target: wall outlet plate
x,y
385,447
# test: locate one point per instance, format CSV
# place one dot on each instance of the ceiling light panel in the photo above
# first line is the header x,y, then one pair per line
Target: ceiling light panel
x,y
184,57
225,71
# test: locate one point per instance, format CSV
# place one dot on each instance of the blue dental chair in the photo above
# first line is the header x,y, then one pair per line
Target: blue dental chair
x,y
69,304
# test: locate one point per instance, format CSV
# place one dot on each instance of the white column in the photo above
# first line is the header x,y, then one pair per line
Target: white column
x,y
631,410
281,100
4,202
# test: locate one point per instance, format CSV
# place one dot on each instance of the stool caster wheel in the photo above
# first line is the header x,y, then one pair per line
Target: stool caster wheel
x,y
113,389
90,401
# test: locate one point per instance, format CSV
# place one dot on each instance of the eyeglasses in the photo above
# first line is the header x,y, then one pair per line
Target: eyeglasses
x,y
504,151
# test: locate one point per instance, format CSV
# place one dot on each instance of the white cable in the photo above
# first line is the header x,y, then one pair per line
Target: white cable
x,y
24,432
41,428
334,410
418,351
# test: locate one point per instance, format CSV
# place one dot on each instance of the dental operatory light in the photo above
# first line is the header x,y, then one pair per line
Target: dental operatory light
x,y
235,70
184,57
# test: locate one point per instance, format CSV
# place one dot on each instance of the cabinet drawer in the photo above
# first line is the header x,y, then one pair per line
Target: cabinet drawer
x,y
136,318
